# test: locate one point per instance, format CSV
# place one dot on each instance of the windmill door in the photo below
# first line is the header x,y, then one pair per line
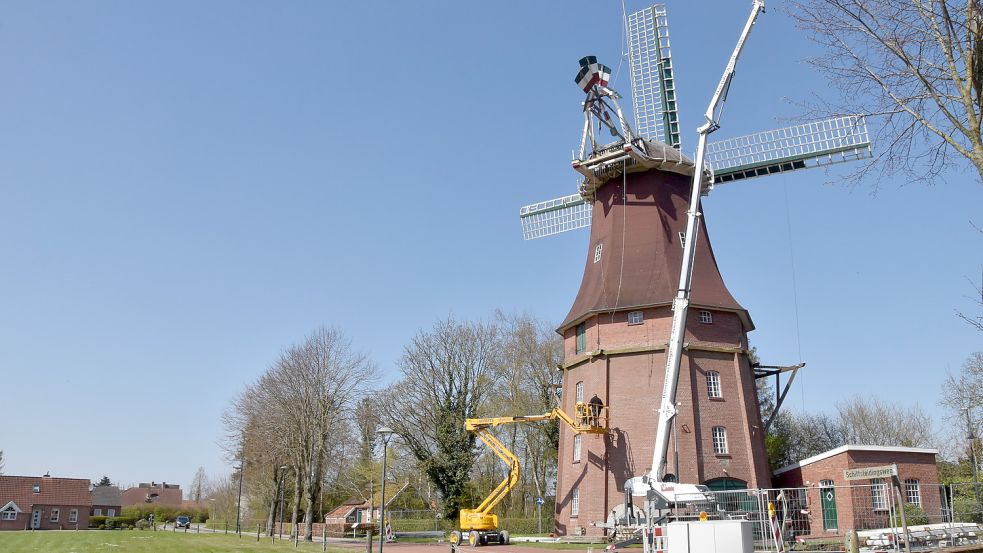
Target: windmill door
x,y
828,498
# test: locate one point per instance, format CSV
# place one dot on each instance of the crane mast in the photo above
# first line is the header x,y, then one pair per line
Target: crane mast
x,y
680,304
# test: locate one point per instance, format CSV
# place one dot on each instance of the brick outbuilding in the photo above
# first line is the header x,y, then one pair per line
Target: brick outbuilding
x,y
839,505
44,503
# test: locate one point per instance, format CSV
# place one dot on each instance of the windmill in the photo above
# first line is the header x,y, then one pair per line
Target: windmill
x,y
636,197
653,95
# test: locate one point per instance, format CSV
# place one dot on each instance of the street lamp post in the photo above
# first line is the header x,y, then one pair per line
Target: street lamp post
x,y
386,433
283,474
239,502
972,447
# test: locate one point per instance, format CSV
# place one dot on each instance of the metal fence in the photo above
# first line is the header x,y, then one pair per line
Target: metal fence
x,y
822,517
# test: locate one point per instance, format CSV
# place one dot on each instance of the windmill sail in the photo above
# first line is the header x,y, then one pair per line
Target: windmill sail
x,y
814,144
554,216
653,87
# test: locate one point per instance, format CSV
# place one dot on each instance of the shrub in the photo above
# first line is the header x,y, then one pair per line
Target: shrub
x,y
97,522
142,524
914,515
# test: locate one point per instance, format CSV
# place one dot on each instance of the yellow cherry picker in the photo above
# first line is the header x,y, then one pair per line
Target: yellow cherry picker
x,y
479,526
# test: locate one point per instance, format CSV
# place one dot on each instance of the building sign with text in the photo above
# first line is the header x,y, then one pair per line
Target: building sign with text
x,y
870,472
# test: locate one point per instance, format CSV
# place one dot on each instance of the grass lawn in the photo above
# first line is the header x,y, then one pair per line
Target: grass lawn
x,y
135,541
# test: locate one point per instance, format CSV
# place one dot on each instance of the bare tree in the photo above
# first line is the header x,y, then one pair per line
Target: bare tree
x,y
964,390
977,321
293,417
869,421
447,374
198,485
918,64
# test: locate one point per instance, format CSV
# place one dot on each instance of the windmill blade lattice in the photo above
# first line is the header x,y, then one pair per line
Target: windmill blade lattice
x,y
554,216
653,87
814,144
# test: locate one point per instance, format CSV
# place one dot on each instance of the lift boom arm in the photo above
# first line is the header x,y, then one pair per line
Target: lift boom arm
x,y
480,518
680,304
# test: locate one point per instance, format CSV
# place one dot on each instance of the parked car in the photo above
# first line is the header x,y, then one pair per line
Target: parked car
x,y
183,522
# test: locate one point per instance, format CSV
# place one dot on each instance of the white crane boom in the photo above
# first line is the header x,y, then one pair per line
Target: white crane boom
x,y
680,304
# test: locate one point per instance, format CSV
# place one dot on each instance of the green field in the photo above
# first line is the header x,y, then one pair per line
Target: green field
x,y
132,541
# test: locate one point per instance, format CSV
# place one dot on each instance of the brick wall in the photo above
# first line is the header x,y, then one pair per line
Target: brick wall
x,y
23,520
854,505
630,383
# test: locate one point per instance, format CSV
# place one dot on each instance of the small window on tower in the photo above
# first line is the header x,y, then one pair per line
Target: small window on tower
x,y
635,318
682,239
706,317
719,440
713,384
579,392
597,251
577,442
581,338
575,502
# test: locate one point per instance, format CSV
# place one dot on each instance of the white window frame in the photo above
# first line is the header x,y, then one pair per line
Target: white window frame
x,y
73,515
8,514
579,392
825,483
110,512
713,385
55,514
575,502
913,492
878,494
682,239
635,317
577,444
97,512
36,488
719,436
597,251
706,317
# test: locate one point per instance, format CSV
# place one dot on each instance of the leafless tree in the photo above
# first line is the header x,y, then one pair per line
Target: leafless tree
x,y
869,421
964,390
448,373
917,65
295,414
531,352
198,485
975,321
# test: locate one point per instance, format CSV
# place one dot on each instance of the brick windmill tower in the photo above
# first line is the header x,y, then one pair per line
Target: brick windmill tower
x,y
636,198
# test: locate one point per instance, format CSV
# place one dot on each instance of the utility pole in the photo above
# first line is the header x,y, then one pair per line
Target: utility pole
x,y
972,447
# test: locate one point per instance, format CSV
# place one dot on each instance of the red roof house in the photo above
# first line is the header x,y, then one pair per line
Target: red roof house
x,y
44,503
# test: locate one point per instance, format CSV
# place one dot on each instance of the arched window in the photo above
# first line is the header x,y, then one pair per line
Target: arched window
x,y
577,442
575,502
579,392
713,384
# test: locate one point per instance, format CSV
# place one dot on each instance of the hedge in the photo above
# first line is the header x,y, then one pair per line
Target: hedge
x,y
112,522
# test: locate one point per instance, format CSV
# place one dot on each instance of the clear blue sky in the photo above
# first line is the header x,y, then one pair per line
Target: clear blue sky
x,y
188,187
